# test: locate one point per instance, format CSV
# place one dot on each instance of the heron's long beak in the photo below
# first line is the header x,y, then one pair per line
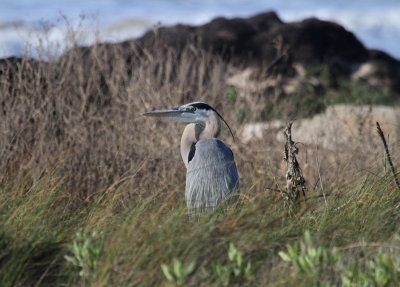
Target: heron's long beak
x,y
168,113
177,114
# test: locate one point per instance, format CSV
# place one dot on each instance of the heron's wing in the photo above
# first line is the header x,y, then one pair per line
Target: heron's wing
x,y
211,175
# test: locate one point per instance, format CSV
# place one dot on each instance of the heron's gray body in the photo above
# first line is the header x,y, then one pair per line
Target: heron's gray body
x,y
211,175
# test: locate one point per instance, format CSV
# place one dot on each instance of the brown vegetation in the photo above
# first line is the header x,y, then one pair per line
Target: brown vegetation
x,y
81,114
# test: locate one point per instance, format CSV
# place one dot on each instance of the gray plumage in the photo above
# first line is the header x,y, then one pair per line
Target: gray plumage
x,y
211,176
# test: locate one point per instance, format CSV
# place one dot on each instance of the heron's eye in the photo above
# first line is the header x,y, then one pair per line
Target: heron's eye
x,y
193,109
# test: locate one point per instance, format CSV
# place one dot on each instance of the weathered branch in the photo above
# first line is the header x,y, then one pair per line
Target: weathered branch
x,y
380,132
295,182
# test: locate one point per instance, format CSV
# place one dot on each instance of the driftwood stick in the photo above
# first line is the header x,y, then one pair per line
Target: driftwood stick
x,y
389,158
295,182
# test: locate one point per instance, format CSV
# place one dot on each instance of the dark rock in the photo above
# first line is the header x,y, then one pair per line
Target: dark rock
x,y
264,41
380,70
261,38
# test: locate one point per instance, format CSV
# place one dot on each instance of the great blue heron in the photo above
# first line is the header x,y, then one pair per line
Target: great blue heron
x,y
211,174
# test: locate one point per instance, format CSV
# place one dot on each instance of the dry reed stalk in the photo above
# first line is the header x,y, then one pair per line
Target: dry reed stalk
x,y
380,132
295,182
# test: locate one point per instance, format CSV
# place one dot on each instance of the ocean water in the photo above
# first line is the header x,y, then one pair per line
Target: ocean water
x,y
26,25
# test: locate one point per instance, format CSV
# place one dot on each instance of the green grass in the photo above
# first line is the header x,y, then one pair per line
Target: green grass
x,y
121,240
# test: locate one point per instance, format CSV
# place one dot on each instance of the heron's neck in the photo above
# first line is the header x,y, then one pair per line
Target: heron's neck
x,y
190,136
212,126
195,132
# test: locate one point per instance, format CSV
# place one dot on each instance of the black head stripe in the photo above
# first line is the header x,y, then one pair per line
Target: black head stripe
x,y
191,153
202,106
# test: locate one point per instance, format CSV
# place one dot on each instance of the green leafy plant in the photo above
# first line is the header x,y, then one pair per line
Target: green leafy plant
x,y
231,94
85,252
235,270
309,260
379,271
178,274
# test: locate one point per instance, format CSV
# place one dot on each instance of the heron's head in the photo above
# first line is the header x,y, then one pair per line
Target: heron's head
x,y
196,112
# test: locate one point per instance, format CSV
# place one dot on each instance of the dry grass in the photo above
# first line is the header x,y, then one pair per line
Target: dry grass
x,y
82,114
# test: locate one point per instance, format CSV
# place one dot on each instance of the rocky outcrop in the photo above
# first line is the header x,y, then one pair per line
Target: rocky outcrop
x,y
263,38
279,48
379,70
